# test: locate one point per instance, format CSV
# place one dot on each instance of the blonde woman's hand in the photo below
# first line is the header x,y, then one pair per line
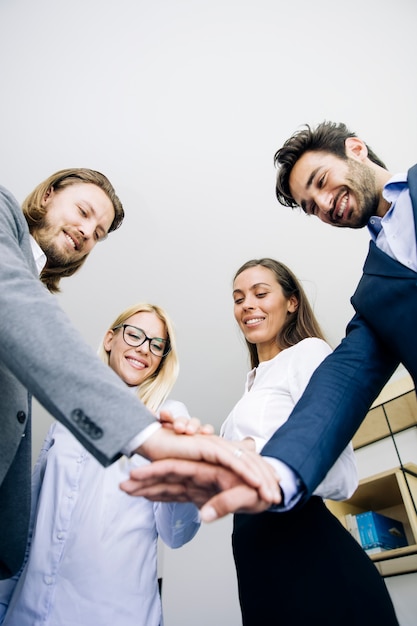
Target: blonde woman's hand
x,y
185,425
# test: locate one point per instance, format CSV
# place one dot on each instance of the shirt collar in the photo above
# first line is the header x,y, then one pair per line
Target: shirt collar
x,y
38,254
393,187
390,193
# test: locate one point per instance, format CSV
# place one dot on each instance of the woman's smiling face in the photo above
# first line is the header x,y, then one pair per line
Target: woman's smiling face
x,y
261,308
135,364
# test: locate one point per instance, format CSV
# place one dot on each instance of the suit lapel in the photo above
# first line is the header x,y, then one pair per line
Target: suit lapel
x,y
412,185
380,264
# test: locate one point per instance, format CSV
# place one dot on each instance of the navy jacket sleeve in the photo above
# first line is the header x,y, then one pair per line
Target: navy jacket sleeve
x,y
333,405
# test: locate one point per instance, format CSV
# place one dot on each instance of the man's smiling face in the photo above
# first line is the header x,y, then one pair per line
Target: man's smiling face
x,y
340,192
77,217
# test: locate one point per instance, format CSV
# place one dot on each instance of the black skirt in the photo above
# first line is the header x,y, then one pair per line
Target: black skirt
x,y
304,568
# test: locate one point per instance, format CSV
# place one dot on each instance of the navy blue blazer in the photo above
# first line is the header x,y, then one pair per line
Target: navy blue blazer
x,y
381,335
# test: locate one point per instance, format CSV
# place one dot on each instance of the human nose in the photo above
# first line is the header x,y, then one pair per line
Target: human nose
x,y
87,228
248,304
324,202
144,347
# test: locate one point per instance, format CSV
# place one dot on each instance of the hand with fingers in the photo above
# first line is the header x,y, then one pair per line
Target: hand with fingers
x,y
225,478
184,425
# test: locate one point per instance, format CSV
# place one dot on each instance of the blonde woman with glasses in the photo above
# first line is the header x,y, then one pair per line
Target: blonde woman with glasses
x,y
92,552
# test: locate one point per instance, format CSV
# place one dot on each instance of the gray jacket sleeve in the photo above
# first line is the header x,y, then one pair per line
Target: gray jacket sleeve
x,y
41,352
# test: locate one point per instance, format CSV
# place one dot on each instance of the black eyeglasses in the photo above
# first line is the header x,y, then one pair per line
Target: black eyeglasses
x,y
135,337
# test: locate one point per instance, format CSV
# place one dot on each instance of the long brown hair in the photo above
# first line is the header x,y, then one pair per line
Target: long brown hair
x,y
300,324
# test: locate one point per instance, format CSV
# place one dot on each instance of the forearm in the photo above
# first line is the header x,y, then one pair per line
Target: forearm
x,y
333,406
7,588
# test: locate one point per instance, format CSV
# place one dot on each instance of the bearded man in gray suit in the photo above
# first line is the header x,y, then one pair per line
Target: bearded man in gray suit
x,y
61,222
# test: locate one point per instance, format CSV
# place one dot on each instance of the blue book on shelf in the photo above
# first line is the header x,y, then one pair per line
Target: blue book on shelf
x,y
380,531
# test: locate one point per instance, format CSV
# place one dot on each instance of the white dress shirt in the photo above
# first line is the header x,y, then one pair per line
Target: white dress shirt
x,y
93,554
38,254
272,389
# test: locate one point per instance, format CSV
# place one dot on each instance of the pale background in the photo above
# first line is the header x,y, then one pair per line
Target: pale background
x,y
182,104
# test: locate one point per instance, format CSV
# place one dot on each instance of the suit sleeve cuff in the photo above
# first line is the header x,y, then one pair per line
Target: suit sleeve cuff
x,y
131,447
291,486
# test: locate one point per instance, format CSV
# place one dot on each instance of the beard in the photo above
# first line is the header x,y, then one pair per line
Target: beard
x,y
55,256
361,181
47,238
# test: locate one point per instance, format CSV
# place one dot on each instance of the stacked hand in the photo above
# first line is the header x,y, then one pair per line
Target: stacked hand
x,y
219,476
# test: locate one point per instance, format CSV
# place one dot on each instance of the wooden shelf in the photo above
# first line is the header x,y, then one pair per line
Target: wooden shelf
x,y
401,561
392,493
397,402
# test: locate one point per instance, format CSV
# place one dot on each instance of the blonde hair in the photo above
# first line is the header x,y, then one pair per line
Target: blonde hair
x,y
154,390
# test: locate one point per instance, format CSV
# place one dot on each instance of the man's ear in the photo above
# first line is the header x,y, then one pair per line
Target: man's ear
x,y
48,194
355,148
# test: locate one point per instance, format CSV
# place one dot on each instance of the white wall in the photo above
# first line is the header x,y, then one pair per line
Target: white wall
x,y
199,580
183,103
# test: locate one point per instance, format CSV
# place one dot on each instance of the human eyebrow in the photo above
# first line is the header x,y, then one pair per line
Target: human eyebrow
x,y
303,203
101,233
311,177
159,339
238,296
100,230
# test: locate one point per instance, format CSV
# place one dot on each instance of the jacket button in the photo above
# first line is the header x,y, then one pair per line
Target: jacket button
x,y
21,416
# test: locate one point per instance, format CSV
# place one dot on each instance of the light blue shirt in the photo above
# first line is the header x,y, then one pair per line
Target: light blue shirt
x,y
93,548
394,234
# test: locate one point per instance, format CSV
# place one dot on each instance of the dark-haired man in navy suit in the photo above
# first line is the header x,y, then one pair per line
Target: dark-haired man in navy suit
x,y
331,173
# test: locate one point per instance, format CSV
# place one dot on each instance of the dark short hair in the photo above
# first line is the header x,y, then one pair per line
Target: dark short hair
x,y
326,137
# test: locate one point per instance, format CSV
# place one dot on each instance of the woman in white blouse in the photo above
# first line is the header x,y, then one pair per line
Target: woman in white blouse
x,y
92,553
302,566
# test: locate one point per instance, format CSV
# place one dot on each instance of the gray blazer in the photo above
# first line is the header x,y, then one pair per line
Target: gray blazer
x,y
42,354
